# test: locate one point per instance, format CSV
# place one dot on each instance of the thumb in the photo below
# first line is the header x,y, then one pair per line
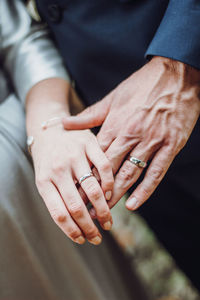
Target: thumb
x,y
92,116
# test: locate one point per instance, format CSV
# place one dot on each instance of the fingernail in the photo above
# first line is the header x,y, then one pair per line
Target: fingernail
x,y
132,203
92,213
80,240
107,225
108,195
95,241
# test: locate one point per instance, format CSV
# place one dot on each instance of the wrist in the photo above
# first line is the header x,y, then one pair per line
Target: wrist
x,y
184,76
40,136
46,118
178,69
46,100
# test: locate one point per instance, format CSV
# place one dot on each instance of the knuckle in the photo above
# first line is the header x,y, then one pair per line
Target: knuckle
x,y
57,169
91,232
170,152
152,144
134,130
73,159
73,233
106,166
146,191
177,142
94,192
156,173
126,173
171,144
170,148
108,185
76,209
104,214
58,216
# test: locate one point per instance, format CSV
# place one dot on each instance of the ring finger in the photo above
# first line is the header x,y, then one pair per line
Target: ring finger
x,y
128,173
95,194
78,210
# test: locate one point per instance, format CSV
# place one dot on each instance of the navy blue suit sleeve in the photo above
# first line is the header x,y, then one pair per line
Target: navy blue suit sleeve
x,y
178,36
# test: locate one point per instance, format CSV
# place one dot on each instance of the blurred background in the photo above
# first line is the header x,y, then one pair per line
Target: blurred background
x,y
153,265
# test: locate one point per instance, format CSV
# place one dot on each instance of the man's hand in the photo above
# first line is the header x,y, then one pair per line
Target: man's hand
x,y
149,116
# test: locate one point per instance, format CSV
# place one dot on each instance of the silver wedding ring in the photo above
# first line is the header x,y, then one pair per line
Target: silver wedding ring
x,y
84,177
139,163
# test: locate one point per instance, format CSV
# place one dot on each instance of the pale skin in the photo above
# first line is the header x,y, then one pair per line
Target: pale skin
x,y
60,158
150,116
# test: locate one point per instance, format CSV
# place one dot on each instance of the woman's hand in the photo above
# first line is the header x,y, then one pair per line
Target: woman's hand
x,y
60,159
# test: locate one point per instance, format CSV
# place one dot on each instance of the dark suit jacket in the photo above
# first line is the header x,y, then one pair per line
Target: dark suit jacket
x,y
104,41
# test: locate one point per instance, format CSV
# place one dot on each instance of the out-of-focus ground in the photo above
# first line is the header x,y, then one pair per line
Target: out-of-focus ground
x,y
154,266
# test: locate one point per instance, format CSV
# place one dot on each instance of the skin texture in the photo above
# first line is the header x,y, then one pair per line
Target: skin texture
x,y
150,116
60,158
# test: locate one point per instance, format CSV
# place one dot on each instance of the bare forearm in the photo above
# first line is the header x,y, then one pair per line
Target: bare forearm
x,y
47,99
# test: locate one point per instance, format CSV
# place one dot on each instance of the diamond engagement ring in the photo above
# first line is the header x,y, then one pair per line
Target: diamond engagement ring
x,y
139,163
84,177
